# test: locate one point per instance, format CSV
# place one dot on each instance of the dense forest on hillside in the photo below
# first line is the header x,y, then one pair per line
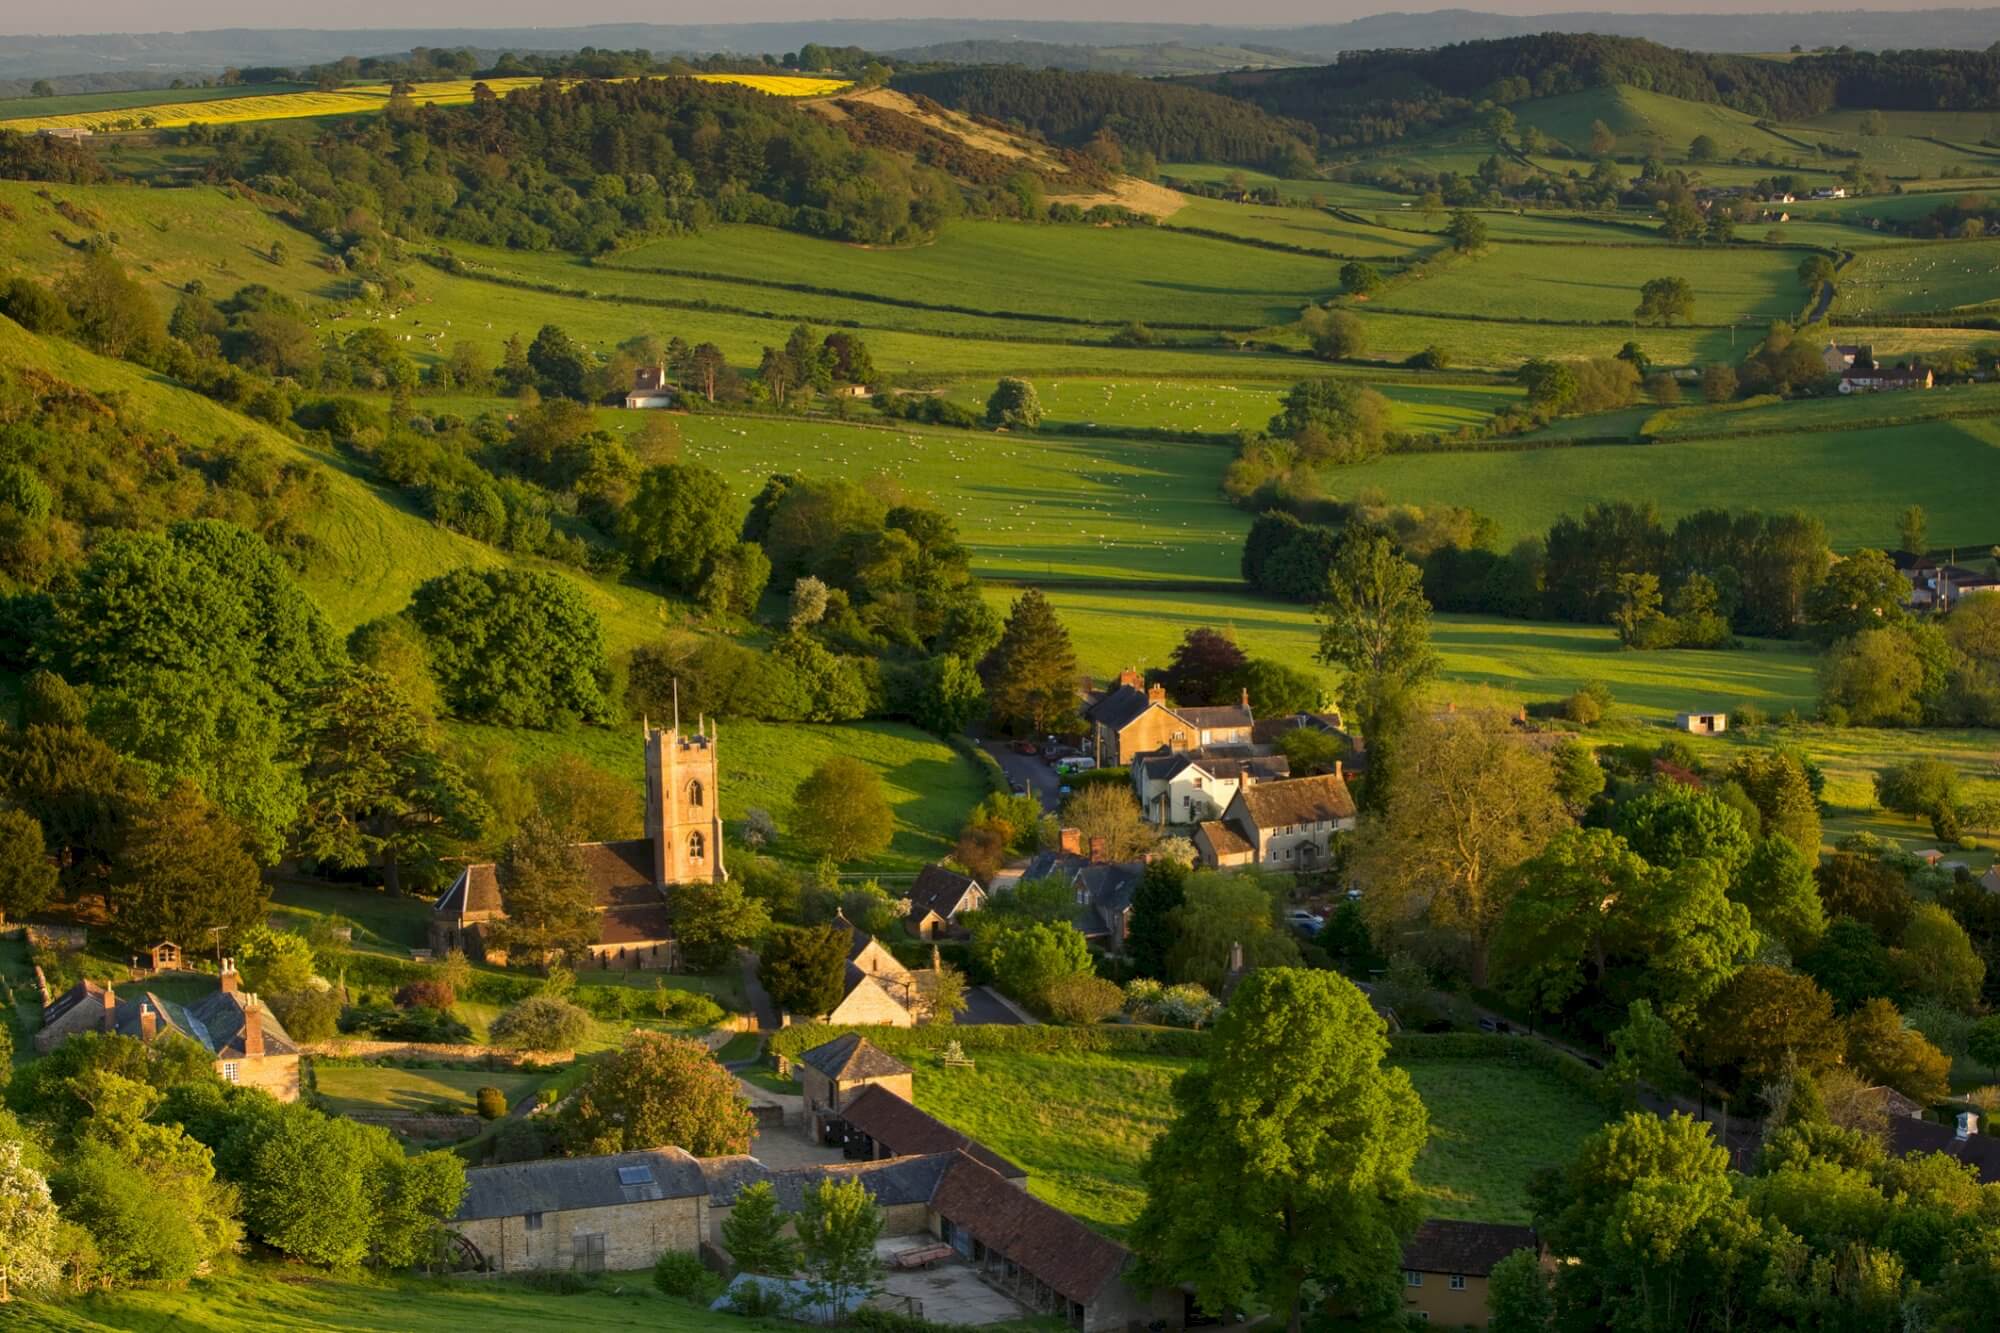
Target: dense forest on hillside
x,y
1374,96
584,168
1164,119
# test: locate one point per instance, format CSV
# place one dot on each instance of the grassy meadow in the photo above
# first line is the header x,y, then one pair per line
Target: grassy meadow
x,y
387,1090
1081,1124
287,1299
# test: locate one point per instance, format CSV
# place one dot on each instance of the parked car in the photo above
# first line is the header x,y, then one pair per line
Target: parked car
x,y
1083,763
1298,918
1498,1025
1018,787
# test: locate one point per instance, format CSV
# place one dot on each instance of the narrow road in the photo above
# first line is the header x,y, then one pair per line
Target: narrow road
x,y
1032,769
753,991
1825,302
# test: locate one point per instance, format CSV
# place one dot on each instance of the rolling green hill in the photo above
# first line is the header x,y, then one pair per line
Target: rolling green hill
x,y
1647,123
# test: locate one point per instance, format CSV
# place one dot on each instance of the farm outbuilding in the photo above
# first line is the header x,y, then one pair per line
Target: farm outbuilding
x,y
1702,724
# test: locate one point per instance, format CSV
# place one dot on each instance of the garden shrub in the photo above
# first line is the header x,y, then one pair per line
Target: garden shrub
x,y
682,1273
1083,999
541,1023
492,1103
426,993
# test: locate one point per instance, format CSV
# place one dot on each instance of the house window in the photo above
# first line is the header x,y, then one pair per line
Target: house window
x,y
230,1069
1458,1282
694,794
533,1221
1412,1278
1288,853
697,846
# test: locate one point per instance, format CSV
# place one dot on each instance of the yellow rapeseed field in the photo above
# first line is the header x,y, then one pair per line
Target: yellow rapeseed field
x,y
355,100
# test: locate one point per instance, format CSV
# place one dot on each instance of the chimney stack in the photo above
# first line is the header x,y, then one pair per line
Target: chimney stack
x,y
1246,696
253,1028
229,978
1130,676
1968,1125
1072,842
110,1008
1157,694
1096,849
149,1022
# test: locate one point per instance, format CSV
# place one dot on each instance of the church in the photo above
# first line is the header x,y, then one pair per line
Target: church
x,y
629,879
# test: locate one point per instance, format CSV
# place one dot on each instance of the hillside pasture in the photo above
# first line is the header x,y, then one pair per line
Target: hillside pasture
x,y
1414,406
1921,276
1091,274
1313,228
1600,284
1855,481
1346,194
68,104
1028,505
1648,123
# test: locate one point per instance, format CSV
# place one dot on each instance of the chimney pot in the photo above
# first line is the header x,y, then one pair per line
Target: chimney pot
x,y
1072,842
110,1008
1130,676
1157,694
229,980
1246,696
148,1022
253,1030
1337,771
1096,848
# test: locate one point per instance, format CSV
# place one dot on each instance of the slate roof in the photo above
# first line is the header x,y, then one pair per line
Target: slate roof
x,y
1119,708
83,990
564,1184
1980,1151
1227,762
1107,889
1266,730
645,924
852,1056
1297,801
221,1015
905,1131
1471,1248
1057,1249
940,890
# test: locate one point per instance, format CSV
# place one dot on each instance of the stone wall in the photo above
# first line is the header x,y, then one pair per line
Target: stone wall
x,y
635,1234
355,1049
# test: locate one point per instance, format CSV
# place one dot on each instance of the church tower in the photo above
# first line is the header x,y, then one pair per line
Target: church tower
x,y
683,808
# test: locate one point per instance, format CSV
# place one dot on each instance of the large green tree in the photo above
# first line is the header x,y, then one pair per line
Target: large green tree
x,y
712,920
805,970
183,872
839,810
1374,626
379,790
1031,674
1289,1158
551,913
27,875
838,1225
1222,911
680,523
514,647
657,1090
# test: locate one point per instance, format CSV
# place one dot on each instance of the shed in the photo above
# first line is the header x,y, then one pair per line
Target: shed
x,y
1702,724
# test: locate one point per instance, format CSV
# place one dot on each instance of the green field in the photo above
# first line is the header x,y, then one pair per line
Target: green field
x,y
1095,274
12,108
1420,408
1600,284
1313,228
1651,123
385,1090
1856,481
1832,413
1925,275
1345,194
1081,1125
290,1298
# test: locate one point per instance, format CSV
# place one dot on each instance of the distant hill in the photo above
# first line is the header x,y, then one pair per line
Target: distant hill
x,y
1149,59
163,54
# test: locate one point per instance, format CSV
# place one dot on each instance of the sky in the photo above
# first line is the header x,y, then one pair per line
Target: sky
x,y
102,16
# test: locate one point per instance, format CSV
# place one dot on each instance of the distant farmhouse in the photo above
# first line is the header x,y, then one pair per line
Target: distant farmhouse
x,y
628,880
247,1043
1132,720
650,389
1287,825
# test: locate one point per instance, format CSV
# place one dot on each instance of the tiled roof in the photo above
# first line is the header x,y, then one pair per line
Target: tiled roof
x,y
562,1184
1220,718
1297,801
644,924
853,1056
891,1180
1051,1245
905,1131
85,990
1471,1248
940,890
620,873
1268,729
1224,840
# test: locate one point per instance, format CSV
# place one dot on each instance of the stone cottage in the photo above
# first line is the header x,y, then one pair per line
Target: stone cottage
x,y
588,1214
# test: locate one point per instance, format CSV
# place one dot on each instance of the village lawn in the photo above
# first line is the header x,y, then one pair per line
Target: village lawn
x,y
290,1298
930,786
386,1089
1080,1124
